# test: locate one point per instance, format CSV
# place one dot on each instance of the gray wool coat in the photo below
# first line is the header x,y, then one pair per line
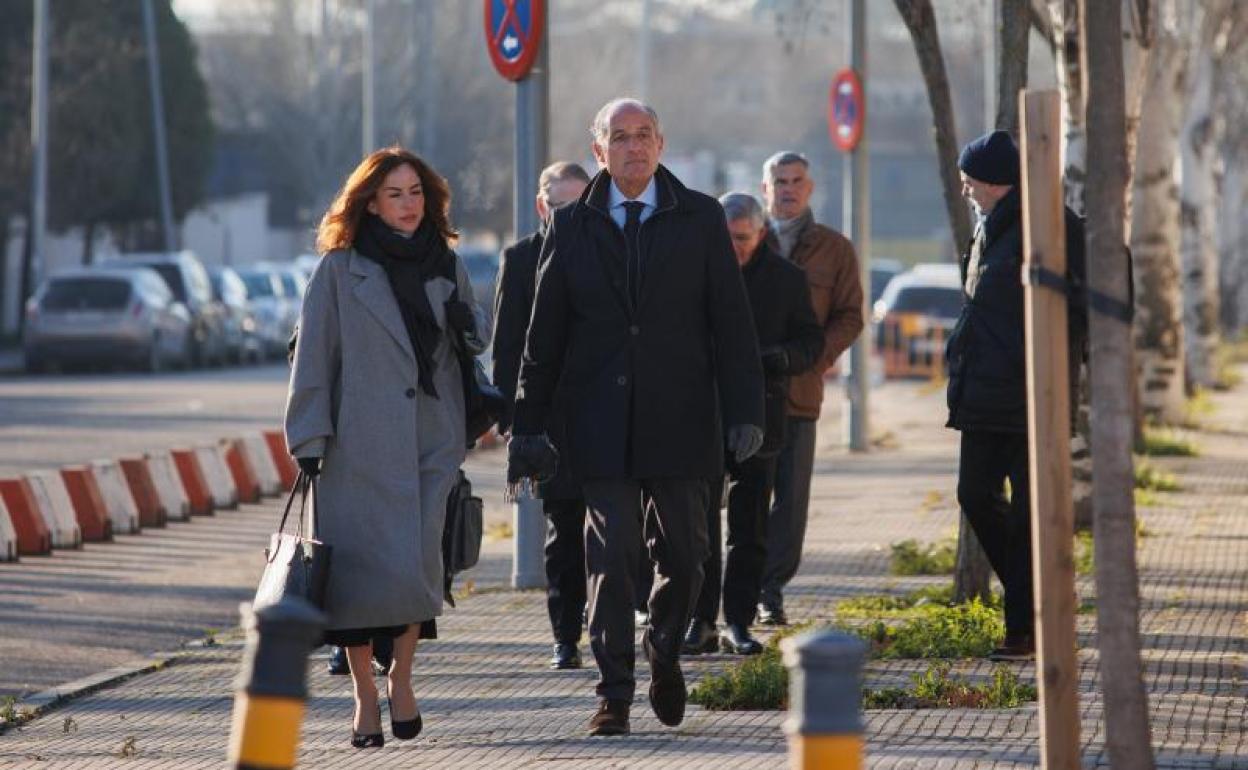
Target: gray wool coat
x,y
390,452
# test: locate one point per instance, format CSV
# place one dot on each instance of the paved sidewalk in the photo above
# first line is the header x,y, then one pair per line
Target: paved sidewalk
x,y
489,701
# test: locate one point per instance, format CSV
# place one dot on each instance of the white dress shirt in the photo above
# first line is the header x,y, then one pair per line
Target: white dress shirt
x,y
615,204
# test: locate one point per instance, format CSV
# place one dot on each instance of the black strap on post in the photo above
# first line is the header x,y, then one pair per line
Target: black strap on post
x,y
1099,302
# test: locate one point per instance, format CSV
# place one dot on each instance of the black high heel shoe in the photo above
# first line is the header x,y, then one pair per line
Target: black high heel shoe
x,y
371,741
407,729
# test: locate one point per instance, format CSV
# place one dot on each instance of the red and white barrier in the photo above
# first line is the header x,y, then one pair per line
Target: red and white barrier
x,y
168,485
56,508
88,502
33,538
122,510
244,476
287,470
217,474
193,481
152,512
257,452
8,535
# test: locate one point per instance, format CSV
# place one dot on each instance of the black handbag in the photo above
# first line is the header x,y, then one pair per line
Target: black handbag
x,y
461,534
296,565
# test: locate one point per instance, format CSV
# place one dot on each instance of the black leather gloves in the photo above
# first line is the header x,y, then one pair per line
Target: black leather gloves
x,y
743,441
531,457
775,360
459,317
311,466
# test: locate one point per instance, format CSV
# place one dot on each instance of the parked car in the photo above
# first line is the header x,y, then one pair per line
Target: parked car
x,y
294,285
914,317
883,270
106,316
242,337
270,308
188,280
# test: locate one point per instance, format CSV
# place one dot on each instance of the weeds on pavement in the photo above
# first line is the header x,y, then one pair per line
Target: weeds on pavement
x,y
1162,442
910,557
936,688
1149,477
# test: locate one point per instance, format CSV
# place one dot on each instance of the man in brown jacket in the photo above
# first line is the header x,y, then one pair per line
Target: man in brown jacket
x,y
836,293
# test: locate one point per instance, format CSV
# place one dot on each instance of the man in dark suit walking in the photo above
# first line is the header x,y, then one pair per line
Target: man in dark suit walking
x,y
562,501
642,326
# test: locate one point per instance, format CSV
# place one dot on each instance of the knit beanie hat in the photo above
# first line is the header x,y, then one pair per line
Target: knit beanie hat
x,y
992,158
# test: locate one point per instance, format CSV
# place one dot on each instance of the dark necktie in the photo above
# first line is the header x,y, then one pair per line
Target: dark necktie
x,y
632,243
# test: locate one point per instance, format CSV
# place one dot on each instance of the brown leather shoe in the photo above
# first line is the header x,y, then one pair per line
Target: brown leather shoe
x,y
610,719
667,686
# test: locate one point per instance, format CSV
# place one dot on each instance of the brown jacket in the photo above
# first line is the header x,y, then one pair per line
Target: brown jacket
x,y
836,293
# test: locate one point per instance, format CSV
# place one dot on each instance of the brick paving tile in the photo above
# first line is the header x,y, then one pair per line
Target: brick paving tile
x,y
489,702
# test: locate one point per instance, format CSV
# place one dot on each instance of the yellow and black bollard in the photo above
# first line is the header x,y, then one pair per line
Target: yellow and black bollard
x,y
825,696
272,688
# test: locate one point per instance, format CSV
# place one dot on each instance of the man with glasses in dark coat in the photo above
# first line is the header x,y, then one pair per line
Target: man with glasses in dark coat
x,y
561,497
642,324
791,339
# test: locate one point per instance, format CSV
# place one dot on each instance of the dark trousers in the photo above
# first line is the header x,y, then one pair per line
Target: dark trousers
x,y
786,525
748,499
565,567
1002,525
670,515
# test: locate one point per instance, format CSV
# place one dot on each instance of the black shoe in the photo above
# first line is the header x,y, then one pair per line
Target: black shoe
x,y
370,741
610,719
407,729
566,656
338,665
772,616
736,639
667,686
699,638
1017,646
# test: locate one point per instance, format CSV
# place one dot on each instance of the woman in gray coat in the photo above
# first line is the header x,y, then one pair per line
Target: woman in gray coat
x,y
376,409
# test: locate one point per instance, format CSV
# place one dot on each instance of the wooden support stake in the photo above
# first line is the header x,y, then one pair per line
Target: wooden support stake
x,y
1048,424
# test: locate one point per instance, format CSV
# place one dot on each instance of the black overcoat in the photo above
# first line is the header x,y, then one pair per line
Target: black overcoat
x,y
986,351
644,390
783,317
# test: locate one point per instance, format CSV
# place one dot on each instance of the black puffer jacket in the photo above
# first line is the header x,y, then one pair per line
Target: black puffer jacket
x,y
986,352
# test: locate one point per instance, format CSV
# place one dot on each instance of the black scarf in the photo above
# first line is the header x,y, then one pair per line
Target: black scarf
x,y
409,264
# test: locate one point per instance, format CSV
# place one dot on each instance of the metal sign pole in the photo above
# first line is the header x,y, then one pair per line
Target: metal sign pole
x,y
857,217
532,141
39,146
158,128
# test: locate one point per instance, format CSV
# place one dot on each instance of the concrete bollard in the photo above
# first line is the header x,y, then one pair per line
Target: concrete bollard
x,y
825,700
272,688
56,507
8,535
169,486
257,451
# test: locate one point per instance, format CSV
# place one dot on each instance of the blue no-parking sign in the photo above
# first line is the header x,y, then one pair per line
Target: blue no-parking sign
x,y
513,34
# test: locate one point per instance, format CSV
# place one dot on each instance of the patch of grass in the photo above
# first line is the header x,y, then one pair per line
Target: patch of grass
x,y
1160,442
1153,479
760,682
968,630
1086,607
1146,498
1084,553
910,557
936,688
1225,359
928,599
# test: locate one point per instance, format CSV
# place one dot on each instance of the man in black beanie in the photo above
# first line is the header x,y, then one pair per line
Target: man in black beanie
x,y
986,362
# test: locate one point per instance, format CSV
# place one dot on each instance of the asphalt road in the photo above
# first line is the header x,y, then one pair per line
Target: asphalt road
x,y
78,613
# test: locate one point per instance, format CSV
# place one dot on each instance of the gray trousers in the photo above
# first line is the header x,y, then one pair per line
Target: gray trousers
x,y
670,513
786,525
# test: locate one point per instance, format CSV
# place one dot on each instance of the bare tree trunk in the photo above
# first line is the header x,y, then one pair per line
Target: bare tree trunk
x,y
1014,34
1065,15
1200,272
972,571
920,19
1155,235
1118,600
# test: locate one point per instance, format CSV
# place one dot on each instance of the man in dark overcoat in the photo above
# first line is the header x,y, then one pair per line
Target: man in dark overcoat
x,y
642,324
562,501
791,339
986,361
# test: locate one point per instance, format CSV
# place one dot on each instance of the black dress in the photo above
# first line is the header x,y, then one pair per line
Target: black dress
x,y
358,637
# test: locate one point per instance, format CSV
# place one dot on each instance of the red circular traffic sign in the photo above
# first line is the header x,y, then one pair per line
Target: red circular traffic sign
x,y
513,34
847,110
